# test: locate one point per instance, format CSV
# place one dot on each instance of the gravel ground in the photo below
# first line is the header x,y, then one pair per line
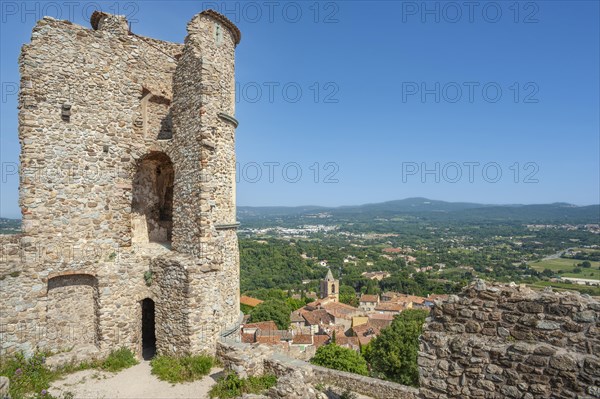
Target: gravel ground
x,y
133,383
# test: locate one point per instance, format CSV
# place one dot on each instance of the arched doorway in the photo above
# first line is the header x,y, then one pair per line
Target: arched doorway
x,y
152,202
148,329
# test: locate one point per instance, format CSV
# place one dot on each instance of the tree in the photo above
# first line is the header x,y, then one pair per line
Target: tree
x,y
295,304
394,353
548,272
273,309
586,264
372,288
245,308
348,295
339,358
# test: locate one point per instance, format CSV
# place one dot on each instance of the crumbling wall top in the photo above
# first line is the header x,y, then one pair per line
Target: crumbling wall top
x,y
108,22
235,32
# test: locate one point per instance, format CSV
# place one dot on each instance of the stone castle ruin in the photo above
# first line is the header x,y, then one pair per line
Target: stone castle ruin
x,y
127,190
129,231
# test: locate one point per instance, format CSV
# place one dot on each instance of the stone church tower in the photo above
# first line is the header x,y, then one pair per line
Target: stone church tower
x,y
330,288
127,190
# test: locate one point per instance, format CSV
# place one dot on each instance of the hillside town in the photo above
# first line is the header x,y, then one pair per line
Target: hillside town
x,y
327,320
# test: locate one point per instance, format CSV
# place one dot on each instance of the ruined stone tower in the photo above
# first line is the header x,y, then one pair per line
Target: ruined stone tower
x,y
127,190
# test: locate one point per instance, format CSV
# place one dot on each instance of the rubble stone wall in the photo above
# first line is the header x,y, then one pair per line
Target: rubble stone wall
x,y
72,305
252,360
126,168
511,342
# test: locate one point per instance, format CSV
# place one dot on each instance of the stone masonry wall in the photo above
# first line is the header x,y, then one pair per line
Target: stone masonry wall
x,y
511,342
171,288
204,146
76,171
123,152
72,305
253,360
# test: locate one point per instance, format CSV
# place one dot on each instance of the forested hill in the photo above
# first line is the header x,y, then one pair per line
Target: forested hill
x,y
410,208
423,208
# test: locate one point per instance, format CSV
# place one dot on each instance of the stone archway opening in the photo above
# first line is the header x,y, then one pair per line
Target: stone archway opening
x,y
152,202
148,329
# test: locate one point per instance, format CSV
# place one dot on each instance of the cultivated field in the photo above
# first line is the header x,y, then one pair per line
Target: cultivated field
x,y
565,267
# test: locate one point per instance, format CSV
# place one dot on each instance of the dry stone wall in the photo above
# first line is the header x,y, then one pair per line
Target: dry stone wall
x,y
511,342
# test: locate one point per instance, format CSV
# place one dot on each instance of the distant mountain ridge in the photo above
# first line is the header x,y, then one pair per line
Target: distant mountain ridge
x,y
424,207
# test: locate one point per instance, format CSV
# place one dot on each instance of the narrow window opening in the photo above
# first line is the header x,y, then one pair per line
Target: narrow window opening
x,y
152,205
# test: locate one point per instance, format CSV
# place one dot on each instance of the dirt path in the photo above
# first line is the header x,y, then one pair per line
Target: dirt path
x,y
134,383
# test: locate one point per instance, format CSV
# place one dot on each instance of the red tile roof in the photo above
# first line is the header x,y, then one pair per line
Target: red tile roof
x,y
296,317
392,250
268,339
249,301
302,339
262,325
341,310
380,323
317,317
390,307
320,340
369,298
273,336
248,338
381,316
366,332
405,298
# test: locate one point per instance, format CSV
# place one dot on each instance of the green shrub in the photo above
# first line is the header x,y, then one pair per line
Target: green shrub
x,y
232,386
148,276
394,353
272,309
118,360
183,368
339,358
28,376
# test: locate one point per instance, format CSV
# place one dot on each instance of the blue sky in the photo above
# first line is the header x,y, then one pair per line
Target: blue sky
x,y
497,102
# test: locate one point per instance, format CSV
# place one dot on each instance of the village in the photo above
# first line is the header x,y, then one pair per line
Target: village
x,y
327,320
